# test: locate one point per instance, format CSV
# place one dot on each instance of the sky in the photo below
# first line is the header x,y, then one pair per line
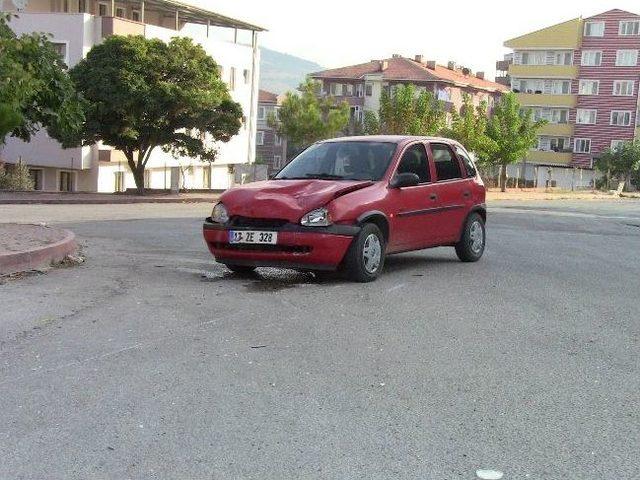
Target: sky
x,y
336,33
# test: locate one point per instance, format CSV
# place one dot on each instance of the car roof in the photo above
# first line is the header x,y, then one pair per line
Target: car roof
x,y
389,139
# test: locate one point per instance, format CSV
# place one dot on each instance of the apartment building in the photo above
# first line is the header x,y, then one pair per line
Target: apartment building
x,y
361,85
582,77
271,148
75,27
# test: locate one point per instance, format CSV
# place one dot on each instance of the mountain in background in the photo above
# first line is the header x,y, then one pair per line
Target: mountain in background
x,y
280,72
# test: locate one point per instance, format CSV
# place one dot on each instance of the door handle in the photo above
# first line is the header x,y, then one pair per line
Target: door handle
x,y
466,194
433,196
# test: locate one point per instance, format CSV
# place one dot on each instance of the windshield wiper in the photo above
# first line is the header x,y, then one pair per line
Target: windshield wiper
x,y
324,176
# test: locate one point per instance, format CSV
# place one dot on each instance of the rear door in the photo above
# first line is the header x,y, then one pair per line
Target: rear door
x,y
413,224
452,189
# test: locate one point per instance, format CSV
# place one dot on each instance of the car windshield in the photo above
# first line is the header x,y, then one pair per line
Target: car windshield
x,y
347,160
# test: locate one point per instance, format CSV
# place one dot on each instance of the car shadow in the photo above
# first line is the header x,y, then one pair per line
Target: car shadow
x,y
407,261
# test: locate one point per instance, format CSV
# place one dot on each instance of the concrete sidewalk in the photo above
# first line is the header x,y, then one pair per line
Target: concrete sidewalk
x,y
30,247
81,198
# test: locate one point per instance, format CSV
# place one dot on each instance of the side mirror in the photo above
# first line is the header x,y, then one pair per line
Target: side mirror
x,y
404,180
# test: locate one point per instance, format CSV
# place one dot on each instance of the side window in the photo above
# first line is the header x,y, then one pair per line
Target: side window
x,y
468,163
414,160
447,166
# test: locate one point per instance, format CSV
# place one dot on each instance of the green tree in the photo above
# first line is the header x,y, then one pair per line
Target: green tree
x,y
304,117
35,88
371,123
16,178
513,133
622,163
469,127
407,112
144,94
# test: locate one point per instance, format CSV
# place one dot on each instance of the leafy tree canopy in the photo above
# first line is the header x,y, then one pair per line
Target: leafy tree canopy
x,y
469,127
304,117
513,133
35,89
622,162
404,111
145,93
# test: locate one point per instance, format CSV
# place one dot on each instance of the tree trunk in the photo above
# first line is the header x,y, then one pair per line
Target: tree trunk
x,y
138,176
503,178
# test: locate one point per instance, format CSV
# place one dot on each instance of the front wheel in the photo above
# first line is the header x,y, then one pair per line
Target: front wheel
x,y
472,242
365,257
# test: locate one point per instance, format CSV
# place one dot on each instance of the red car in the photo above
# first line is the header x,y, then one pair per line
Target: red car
x,y
347,203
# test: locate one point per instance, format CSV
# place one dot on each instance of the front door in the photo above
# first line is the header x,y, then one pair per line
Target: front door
x,y
453,192
413,224
66,182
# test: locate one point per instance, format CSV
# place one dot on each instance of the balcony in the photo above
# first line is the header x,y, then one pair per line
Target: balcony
x,y
121,26
544,71
503,65
543,100
550,158
557,130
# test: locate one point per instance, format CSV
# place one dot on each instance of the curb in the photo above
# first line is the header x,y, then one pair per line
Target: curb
x,y
35,258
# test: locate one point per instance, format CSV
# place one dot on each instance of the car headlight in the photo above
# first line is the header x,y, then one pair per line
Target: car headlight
x,y
316,218
219,213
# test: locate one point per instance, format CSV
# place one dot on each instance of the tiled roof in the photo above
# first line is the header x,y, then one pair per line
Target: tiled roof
x,y
402,68
267,97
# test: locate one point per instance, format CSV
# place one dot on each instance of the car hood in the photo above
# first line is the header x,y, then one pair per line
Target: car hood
x,y
286,199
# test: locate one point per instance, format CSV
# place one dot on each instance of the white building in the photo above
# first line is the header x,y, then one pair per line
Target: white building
x,y
75,27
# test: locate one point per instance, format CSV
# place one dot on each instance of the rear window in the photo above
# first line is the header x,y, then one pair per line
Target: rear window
x,y
447,166
347,160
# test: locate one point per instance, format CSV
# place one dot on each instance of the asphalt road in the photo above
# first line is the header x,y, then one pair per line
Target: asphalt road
x,y
151,362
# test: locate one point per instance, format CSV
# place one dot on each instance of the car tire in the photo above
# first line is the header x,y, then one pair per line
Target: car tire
x,y
365,258
241,269
472,242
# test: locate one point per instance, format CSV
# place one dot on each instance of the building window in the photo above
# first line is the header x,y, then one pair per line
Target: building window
x,y
626,58
102,9
621,118
616,144
359,90
533,58
232,78
82,6
559,115
563,58
368,89
336,89
586,116
277,159
247,77
147,179
260,138
561,87
136,15
591,58
37,176
206,177
589,87
262,113
594,29
61,49
120,12
277,140
349,89
66,182
582,145
629,27
623,88
559,144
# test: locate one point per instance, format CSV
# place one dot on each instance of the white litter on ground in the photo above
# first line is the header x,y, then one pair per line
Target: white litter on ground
x,y
489,474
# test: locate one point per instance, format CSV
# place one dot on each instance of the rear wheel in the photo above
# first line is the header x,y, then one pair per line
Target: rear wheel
x,y
365,258
472,242
241,269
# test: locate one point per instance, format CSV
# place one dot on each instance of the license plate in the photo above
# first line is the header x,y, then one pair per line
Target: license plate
x,y
253,236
